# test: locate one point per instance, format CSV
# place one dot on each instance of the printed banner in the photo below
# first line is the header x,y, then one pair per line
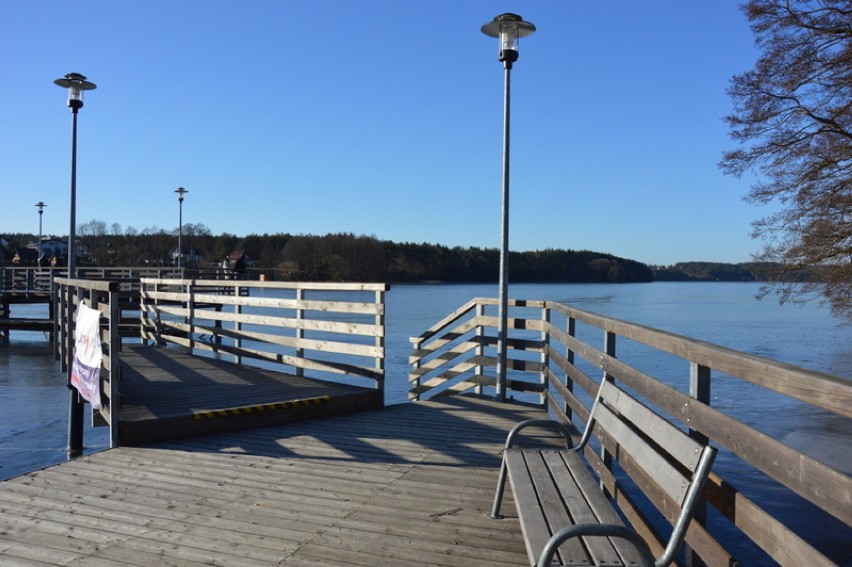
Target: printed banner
x,y
86,367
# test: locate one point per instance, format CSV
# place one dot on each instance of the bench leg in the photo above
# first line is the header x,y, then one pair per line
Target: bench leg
x,y
498,495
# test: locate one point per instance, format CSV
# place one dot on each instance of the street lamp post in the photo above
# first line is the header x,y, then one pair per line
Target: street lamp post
x,y
181,192
76,84
508,28
41,207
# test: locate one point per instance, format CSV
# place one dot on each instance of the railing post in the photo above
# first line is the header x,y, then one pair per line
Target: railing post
x,y
380,342
699,388
64,326
4,305
238,327
190,303
480,347
114,367
75,405
544,356
414,385
143,313
571,329
300,331
609,349
159,319
51,308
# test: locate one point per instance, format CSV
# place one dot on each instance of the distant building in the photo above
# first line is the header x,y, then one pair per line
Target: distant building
x,y
191,258
237,260
51,247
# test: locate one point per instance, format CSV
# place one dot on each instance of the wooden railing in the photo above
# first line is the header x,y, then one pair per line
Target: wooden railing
x,y
557,357
29,283
106,297
321,330
38,282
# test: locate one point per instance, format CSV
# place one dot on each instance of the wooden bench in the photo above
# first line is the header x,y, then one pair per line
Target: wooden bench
x,y
566,518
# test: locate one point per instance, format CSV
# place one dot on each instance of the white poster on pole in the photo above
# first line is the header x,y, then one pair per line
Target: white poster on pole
x,y
86,367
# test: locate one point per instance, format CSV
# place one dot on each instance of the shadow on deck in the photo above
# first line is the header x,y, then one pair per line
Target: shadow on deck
x,y
169,394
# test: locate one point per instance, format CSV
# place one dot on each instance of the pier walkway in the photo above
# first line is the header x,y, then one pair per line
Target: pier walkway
x,y
410,484
404,486
168,393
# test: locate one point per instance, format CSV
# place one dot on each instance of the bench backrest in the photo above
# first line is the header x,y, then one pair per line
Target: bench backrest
x,y
677,463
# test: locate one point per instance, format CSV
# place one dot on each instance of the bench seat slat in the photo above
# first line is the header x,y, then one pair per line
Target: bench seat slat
x,y
600,508
533,526
576,484
543,476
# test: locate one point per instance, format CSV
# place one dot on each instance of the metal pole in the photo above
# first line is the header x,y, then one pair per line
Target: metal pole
x,y
75,405
72,233
40,213
503,308
180,230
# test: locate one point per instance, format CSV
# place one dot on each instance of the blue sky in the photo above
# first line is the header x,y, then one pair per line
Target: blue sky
x,y
384,118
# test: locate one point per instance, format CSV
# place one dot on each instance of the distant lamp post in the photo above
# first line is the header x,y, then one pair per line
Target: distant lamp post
x,y
508,28
181,192
76,84
41,207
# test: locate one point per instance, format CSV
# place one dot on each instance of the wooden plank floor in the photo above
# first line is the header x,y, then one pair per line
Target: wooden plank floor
x,y
403,486
167,393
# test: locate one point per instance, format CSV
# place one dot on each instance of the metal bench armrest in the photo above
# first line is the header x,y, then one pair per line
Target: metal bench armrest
x,y
546,423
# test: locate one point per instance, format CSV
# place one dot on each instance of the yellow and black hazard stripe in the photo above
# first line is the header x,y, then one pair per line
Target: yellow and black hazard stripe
x,y
259,408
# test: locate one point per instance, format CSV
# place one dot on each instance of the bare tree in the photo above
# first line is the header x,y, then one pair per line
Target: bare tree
x,y
93,242
792,118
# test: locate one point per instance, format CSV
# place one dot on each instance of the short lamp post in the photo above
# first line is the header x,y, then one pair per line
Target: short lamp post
x,y
508,28
76,84
41,207
181,192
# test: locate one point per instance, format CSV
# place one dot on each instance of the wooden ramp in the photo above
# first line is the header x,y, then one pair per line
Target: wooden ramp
x,y
403,486
168,394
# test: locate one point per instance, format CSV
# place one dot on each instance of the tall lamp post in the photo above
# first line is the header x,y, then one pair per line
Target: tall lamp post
x,y
508,28
41,207
76,84
181,192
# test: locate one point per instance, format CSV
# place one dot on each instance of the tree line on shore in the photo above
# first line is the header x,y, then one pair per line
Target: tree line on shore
x,y
722,272
347,257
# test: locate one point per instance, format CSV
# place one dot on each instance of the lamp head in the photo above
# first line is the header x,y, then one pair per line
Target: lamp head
x,y
76,84
508,28
40,206
181,192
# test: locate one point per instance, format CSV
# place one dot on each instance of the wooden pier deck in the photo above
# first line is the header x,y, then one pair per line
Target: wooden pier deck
x,y
402,486
168,393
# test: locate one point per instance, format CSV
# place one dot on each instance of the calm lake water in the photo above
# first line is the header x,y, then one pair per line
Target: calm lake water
x,y
34,398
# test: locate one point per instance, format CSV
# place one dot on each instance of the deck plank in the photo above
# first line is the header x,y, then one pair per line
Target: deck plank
x,y
399,486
